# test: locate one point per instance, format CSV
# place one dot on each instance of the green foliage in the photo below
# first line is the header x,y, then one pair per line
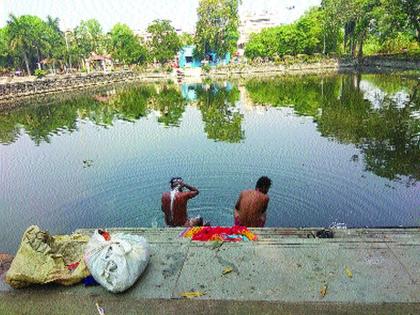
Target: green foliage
x,y
27,36
206,68
186,39
125,46
89,37
363,27
400,43
217,26
164,43
4,49
39,73
305,36
170,104
222,122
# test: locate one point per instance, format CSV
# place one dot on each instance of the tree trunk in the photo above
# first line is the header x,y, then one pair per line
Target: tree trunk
x,y
360,52
353,46
324,48
25,58
38,56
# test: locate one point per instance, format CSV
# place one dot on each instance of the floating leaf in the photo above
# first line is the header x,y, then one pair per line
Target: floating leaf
x,y
227,270
323,290
192,294
348,272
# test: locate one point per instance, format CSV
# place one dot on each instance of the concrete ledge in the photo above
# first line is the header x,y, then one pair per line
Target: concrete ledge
x,y
282,272
69,305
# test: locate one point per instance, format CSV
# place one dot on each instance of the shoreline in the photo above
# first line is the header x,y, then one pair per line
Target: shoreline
x,y
14,91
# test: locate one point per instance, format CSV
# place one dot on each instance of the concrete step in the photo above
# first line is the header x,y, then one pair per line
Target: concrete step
x,y
282,272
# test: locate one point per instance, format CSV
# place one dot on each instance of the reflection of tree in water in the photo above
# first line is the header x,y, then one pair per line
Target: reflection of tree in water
x,y
171,105
222,122
128,103
392,145
388,135
304,94
41,122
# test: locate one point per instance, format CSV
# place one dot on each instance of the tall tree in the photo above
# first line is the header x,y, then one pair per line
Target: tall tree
x,y
217,26
125,46
89,37
4,49
165,42
56,49
27,37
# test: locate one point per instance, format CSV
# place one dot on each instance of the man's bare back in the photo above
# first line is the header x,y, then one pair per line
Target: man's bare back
x,y
250,209
179,207
177,216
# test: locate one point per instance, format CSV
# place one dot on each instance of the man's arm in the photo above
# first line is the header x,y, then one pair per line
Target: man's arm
x,y
236,211
192,190
167,218
238,202
265,206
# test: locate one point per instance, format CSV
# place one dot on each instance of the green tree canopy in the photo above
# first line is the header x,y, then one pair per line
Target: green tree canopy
x,y
165,42
217,26
89,37
125,46
306,36
27,36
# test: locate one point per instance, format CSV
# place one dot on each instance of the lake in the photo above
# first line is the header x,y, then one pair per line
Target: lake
x,y
338,148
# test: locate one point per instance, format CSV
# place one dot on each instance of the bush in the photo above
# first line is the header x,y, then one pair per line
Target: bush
x,y
39,73
206,68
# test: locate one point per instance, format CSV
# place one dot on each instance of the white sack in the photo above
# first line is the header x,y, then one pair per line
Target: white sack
x,y
116,264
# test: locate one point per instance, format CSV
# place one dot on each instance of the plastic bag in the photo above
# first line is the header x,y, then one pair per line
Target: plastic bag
x,y
116,261
43,258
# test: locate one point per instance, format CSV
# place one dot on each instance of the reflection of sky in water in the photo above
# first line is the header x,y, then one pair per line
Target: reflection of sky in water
x,y
376,96
316,179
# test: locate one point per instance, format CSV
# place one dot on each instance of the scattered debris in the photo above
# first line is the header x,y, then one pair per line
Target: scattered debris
x,y
323,290
101,311
348,272
216,245
87,163
192,294
227,270
73,266
324,233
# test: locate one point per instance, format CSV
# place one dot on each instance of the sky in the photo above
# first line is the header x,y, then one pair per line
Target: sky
x,y
139,13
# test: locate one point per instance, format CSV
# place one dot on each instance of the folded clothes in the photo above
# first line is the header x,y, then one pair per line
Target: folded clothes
x,y
219,233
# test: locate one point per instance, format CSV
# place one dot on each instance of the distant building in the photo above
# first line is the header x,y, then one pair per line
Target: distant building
x,y
144,35
186,58
254,23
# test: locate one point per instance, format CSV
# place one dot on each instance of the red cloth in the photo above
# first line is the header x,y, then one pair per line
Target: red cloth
x,y
227,234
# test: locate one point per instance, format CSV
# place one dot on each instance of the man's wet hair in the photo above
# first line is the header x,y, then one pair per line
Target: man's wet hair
x,y
263,182
174,180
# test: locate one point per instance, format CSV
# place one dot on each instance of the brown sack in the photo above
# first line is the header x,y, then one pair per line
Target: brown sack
x,y
42,258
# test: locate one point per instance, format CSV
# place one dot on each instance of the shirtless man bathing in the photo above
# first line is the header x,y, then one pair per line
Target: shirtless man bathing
x,y
250,209
174,204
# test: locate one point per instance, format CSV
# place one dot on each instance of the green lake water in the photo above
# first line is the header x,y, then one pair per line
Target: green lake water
x,y
339,149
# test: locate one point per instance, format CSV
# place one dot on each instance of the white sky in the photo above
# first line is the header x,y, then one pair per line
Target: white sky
x,y
139,13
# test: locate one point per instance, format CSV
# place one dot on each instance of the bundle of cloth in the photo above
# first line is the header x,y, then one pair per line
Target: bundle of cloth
x,y
219,233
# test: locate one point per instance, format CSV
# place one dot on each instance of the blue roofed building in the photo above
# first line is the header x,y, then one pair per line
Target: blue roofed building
x,y
186,58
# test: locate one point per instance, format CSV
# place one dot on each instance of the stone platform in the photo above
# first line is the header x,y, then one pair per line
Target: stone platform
x,y
284,272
